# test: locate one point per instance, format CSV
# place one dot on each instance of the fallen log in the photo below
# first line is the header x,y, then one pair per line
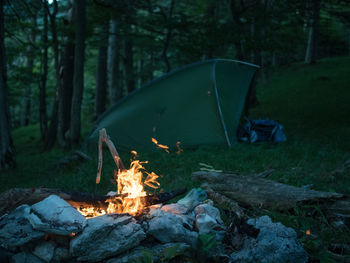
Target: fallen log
x,y
250,191
15,197
260,192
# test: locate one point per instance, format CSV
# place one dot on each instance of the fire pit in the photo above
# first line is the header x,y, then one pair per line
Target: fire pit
x,y
131,225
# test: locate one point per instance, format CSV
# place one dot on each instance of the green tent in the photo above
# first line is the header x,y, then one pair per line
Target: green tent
x,y
197,104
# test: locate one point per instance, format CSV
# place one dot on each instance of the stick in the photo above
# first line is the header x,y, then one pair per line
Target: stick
x,y
118,161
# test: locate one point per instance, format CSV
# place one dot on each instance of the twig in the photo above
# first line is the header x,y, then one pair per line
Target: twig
x,y
118,161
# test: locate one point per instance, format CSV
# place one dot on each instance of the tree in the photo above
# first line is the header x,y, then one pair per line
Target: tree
x,y
78,81
310,56
115,89
7,150
42,85
101,83
66,81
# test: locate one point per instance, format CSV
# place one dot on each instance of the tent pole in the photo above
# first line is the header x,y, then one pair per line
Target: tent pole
x,y
219,105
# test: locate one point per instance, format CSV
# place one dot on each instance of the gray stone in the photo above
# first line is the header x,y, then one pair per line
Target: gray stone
x,y
25,257
55,215
167,227
5,255
61,254
208,220
106,236
275,243
177,209
193,198
45,250
16,230
158,253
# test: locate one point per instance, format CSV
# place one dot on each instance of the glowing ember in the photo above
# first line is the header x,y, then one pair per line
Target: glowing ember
x,y
90,212
160,146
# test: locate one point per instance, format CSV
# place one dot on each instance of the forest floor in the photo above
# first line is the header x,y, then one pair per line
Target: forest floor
x,y
311,101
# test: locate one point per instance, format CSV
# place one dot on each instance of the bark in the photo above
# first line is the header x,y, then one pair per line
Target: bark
x,y
25,116
235,9
101,82
260,192
128,60
257,192
66,92
7,150
115,89
78,81
66,83
310,56
42,86
52,130
168,36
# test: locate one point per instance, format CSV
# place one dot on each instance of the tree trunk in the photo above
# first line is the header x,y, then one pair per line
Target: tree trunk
x,y
7,151
66,92
42,86
52,130
66,83
101,82
310,56
27,96
128,60
78,81
235,13
115,89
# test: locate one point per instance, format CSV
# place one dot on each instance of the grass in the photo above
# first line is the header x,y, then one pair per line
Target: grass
x,y
311,101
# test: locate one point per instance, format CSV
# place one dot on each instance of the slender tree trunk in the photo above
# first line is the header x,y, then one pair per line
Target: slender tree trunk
x,y
129,62
7,150
27,95
42,86
168,36
66,83
78,80
52,130
235,13
310,56
115,88
101,83
66,92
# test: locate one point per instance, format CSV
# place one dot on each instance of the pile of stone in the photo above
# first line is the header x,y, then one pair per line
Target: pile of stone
x,y
54,231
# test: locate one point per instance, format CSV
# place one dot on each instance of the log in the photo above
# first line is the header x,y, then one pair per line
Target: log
x,y
15,197
259,192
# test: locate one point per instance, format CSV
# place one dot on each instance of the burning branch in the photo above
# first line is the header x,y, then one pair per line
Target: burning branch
x,y
118,161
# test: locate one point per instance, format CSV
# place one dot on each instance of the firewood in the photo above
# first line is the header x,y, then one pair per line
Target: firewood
x,y
15,197
118,161
260,192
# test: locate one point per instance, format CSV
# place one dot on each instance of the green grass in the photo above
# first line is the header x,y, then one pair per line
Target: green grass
x,y
311,101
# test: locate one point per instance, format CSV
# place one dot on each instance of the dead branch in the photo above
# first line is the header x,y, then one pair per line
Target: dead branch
x,y
118,161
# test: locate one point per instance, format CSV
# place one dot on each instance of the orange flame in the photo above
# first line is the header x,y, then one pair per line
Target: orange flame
x,y
131,188
179,150
164,147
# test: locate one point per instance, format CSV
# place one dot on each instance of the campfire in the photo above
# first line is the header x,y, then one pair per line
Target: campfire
x,y
131,223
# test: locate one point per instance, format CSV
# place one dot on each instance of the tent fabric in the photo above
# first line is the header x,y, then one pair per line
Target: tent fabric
x,y
198,104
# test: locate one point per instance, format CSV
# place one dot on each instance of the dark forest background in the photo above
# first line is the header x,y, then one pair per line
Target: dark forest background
x,y
63,63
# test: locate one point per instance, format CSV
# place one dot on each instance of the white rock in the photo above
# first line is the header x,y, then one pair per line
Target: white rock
x,y
167,227
275,243
45,251
106,236
16,230
25,257
55,215
177,209
208,220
